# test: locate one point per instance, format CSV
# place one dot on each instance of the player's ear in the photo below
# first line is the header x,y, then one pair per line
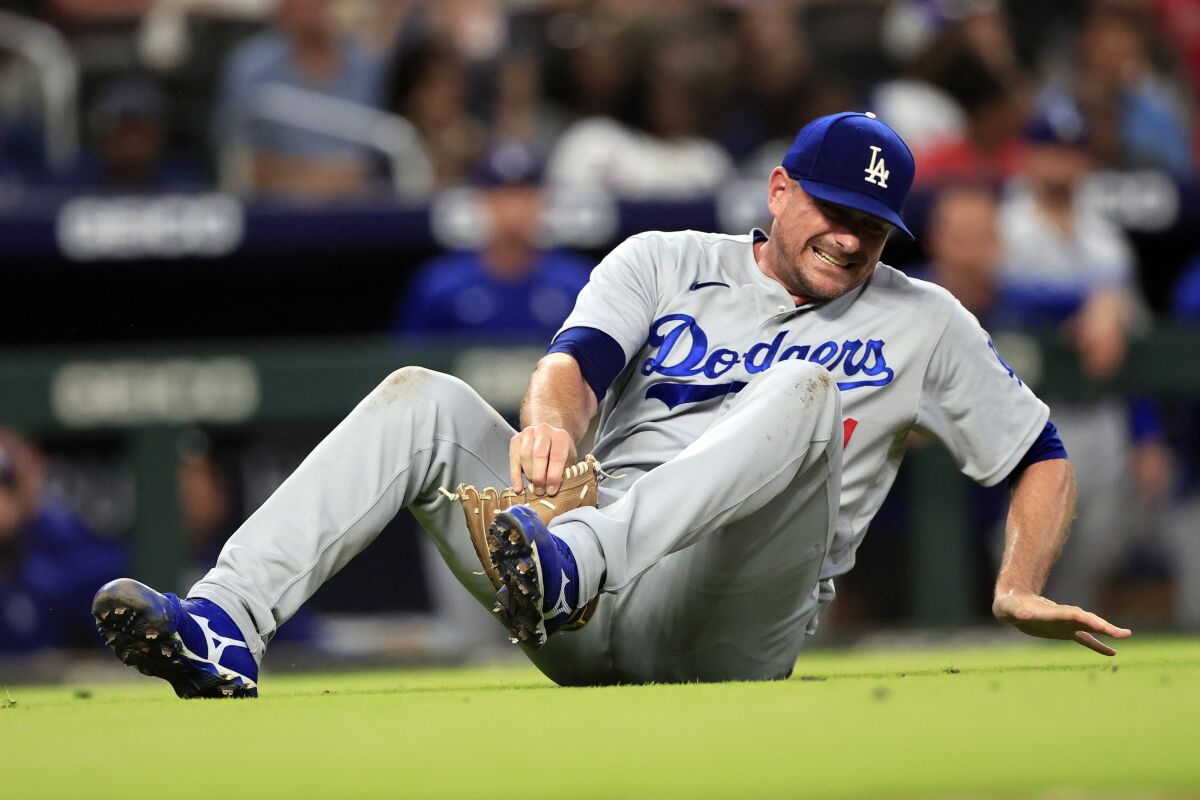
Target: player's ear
x,y
778,187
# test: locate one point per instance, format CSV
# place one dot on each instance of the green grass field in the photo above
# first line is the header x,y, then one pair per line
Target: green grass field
x,y
1028,721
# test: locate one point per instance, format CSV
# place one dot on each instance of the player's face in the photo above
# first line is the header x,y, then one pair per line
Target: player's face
x,y
821,250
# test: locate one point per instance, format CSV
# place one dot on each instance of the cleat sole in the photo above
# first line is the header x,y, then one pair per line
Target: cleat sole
x,y
519,599
128,613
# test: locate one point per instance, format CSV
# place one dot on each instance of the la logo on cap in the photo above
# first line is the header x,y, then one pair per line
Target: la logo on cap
x,y
877,171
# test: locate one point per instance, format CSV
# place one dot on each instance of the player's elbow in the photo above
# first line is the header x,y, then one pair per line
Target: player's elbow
x,y
562,373
1054,477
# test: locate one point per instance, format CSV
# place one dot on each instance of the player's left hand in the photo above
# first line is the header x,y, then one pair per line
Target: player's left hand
x,y
1035,615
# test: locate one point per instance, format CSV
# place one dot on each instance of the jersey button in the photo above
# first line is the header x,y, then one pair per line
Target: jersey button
x,y
782,308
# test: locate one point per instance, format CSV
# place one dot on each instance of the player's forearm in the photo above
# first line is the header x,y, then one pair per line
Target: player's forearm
x,y
1039,518
559,396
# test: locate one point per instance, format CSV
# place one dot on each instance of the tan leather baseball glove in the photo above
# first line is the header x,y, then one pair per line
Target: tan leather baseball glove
x,y
578,489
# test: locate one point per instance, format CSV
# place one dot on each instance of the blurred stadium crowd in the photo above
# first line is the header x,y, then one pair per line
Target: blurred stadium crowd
x,y
328,98
1056,148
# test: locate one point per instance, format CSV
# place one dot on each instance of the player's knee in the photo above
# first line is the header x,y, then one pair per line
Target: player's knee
x,y
416,384
802,381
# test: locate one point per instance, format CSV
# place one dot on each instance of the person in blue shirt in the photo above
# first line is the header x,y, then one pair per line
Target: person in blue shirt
x,y
49,560
286,105
509,289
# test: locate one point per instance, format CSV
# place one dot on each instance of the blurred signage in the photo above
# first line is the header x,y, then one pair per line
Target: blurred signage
x,y
500,376
582,218
163,226
174,391
574,217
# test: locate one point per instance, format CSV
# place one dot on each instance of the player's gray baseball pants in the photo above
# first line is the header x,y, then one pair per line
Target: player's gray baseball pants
x,y
710,560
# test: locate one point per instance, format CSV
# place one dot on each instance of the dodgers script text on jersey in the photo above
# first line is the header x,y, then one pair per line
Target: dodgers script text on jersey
x,y
697,319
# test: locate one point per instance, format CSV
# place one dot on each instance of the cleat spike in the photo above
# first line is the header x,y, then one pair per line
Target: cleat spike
x,y
103,615
151,634
119,610
112,637
522,567
514,537
166,651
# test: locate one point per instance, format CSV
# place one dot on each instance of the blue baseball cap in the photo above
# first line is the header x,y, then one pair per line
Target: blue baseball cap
x,y
854,160
1058,121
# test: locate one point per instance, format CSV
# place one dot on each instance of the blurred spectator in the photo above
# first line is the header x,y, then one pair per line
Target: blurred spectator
x,y
769,99
49,562
972,60
962,238
295,101
429,88
211,509
1074,264
655,144
130,151
511,287
206,503
1067,268
521,116
1179,21
1137,114
589,59
925,115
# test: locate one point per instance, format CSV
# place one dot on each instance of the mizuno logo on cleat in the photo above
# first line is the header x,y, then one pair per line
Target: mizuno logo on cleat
x,y
215,642
562,606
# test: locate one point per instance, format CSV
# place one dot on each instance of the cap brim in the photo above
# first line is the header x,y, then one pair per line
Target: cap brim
x,y
861,201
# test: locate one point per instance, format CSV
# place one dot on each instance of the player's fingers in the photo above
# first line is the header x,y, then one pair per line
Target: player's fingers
x,y
560,451
1097,624
527,458
1093,622
1092,643
514,463
536,469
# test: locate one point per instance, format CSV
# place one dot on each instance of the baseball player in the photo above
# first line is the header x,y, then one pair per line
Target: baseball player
x,y
754,391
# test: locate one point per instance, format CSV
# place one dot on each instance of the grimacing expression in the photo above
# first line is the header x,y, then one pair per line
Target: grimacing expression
x,y
823,250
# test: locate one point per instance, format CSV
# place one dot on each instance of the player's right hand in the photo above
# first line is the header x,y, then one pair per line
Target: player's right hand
x,y
1035,615
541,453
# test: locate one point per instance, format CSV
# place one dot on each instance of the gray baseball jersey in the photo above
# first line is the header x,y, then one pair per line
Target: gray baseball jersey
x,y
708,576
697,319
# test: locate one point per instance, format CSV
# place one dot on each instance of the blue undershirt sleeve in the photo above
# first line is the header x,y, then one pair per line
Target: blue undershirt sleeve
x,y
600,357
1044,448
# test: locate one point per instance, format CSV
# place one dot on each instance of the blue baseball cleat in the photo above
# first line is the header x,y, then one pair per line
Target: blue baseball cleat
x,y
540,591
191,644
